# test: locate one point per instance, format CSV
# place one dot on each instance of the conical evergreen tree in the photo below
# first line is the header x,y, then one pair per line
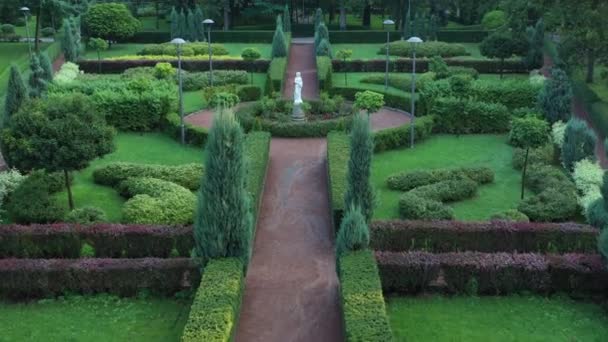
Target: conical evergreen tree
x,y
47,67
67,43
555,99
16,94
183,25
279,46
75,27
324,49
322,33
353,234
198,19
318,18
359,190
279,22
192,34
286,19
36,82
223,223
174,23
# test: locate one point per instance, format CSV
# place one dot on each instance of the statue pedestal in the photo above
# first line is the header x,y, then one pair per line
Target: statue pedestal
x,y
297,114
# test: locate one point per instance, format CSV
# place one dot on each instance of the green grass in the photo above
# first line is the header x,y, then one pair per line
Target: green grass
x,y
148,148
31,25
445,151
354,81
13,53
118,50
194,100
362,51
497,319
96,318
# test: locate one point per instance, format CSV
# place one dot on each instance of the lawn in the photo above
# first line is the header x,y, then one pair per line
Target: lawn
x,y
148,148
12,53
445,151
370,51
354,81
118,50
497,319
95,318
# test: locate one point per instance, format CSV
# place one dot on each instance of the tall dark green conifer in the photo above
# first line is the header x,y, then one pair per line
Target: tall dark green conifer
x,y
16,94
279,45
47,67
174,24
359,190
182,25
286,19
198,19
192,34
36,82
67,43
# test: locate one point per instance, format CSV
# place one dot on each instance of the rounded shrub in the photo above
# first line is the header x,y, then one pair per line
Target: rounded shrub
x,y
86,215
511,215
494,19
7,29
32,200
602,243
224,99
354,233
447,191
412,207
551,205
187,175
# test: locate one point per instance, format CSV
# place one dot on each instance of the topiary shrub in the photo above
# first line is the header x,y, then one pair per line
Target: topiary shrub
x,y
579,143
359,191
187,175
86,215
32,200
427,49
494,19
406,181
353,234
447,191
224,99
551,205
412,207
511,215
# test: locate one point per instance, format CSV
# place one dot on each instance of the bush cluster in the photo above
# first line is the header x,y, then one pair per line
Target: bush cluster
x,y
544,155
588,178
483,66
86,215
199,80
511,215
40,278
365,317
188,49
494,273
463,116
215,309
426,49
488,237
392,100
115,66
188,175
406,181
32,200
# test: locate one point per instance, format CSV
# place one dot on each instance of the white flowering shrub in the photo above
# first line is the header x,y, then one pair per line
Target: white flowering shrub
x,y
588,178
558,131
68,73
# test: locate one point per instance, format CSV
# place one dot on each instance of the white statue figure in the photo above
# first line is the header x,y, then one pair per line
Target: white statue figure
x,y
297,91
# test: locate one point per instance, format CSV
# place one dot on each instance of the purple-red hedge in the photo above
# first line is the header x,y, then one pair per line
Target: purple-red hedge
x,y
108,240
494,236
492,273
118,66
34,278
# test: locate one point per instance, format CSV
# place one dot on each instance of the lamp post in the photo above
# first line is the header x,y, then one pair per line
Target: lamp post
x,y
25,11
414,41
209,23
178,43
387,23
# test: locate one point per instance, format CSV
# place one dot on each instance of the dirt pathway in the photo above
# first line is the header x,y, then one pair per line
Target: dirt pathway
x,y
292,290
302,58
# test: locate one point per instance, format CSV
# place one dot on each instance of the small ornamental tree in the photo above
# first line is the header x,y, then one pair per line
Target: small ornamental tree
x,y
526,133
36,82
345,55
251,55
110,21
60,133
535,37
354,232
499,44
68,42
359,191
47,67
279,46
369,101
174,24
555,99
223,224
579,143
286,19
16,95
98,45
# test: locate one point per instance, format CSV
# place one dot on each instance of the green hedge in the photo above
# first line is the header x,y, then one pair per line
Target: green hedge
x,y
365,317
257,36
188,175
276,73
483,66
338,152
324,73
427,49
397,137
369,36
257,146
214,312
392,100
195,135
456,116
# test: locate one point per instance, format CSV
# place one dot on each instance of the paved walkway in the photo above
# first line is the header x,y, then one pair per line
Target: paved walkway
x,y
302,58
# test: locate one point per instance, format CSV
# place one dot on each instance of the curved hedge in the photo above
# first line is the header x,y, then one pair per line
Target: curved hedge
x,y
187,175
406,181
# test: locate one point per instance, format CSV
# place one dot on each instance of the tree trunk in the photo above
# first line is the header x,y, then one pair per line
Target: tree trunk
x,y
367,16
590,66
226,15
66,176
523,173
342,17
37,27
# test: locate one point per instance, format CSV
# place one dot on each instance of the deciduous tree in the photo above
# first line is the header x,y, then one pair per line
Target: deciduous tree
x,y
526,133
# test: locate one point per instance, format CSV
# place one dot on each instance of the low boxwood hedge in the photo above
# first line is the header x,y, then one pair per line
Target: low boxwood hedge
x,y
427,49
406,181
483,66
194,135
119,66
188,175
365,317
215,309
338,152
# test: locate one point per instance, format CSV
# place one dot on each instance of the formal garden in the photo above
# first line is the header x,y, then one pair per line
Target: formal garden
x,y
280,170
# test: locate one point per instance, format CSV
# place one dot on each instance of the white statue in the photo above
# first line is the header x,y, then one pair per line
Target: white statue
x,y
297,91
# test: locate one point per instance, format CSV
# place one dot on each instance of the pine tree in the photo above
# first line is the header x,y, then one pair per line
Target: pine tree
x,y
555,99
353,234
182,25
16,94
286,19
192,34
198,19
67,43
579,143
47,67
174,23
359,191
223,222
279,46
36,82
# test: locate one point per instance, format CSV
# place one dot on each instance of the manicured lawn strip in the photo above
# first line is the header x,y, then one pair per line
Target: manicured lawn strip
x,y
361,297
370,51
511,318
444,151
94,318
148,148
118,50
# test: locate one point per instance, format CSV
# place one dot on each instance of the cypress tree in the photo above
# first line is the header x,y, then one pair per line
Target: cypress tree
x,y
223,222
279,46
198,19
353,234
555,99
359,191
407,25
47,67
279,22
321,33
182,25
36,82
75,27
324,49
174,23
579,143
535,37
286,19
67,43
318,18
192,34
16,94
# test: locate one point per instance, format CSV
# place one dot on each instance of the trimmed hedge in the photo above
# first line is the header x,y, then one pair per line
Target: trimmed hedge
x,y
403,48
215,310
36,278
492,273
276,73
496,236
483,66
369,36
187,175
365,317
195,135
406,181
338,152
324,73
457,116
396,137
257,148
245,36
119,66
402,102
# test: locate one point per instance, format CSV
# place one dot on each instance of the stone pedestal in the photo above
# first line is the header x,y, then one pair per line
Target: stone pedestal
x,y
297,114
